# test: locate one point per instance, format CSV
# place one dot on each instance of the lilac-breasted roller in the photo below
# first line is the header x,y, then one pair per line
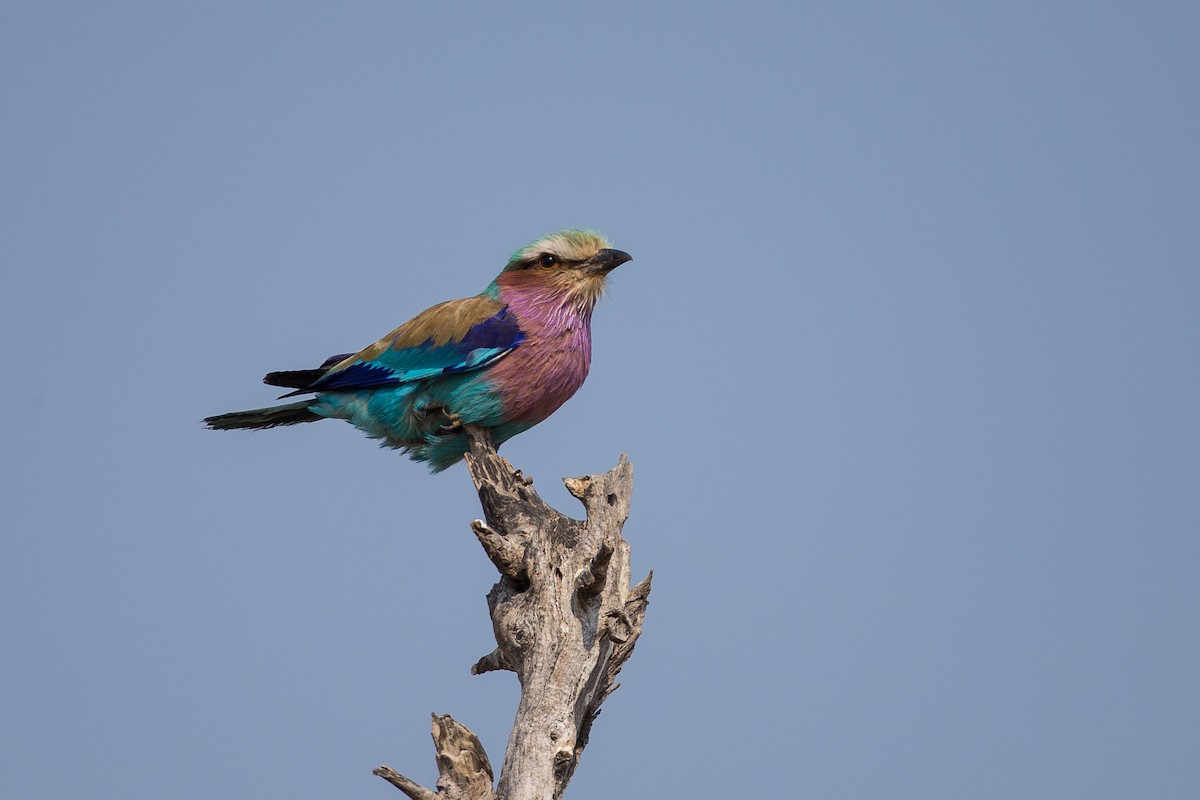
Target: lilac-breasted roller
x,y
505,359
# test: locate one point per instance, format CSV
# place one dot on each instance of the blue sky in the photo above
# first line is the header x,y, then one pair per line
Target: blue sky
x,y
906,363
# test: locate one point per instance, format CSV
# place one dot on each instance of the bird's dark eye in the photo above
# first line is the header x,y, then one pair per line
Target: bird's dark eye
x,y
548,260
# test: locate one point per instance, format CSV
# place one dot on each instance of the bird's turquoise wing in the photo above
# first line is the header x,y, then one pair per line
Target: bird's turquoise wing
x,y
454,337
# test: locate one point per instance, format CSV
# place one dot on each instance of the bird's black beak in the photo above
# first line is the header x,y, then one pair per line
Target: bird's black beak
x,y
606,261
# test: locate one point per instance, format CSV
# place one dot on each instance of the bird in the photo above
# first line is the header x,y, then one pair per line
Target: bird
x,y
504,360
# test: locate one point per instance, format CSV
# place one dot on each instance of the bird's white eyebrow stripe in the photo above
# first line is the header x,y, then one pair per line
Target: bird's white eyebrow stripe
x,y
578,246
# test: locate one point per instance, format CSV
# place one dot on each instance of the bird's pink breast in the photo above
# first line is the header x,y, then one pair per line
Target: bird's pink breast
x,y
551,363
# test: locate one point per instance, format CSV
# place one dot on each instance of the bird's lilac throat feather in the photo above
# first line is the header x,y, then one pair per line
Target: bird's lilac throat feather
x,y
552,362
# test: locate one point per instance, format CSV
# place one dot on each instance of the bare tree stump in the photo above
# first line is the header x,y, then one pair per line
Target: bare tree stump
x,y
565,620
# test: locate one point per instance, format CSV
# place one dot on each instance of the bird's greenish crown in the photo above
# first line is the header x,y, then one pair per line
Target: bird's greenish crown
x,y
567,246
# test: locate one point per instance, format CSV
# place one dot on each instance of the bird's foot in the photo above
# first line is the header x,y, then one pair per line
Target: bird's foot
x,y
451,426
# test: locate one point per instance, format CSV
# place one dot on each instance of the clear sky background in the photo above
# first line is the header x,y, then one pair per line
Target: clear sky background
x,y
906,363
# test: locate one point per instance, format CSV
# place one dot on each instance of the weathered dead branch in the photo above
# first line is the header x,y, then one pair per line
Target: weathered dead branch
x,y
565,619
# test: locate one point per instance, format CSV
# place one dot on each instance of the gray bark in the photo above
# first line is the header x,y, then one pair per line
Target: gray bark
x,y
565,619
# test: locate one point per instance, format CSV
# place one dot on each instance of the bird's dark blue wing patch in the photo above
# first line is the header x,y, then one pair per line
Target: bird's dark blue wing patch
x,y
359,375
500,330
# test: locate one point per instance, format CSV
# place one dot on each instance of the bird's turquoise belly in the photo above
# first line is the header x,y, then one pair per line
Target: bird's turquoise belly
x,y
419,418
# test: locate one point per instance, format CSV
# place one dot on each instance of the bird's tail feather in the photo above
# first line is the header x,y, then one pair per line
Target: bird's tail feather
x,y
302,378
260,418
293,378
